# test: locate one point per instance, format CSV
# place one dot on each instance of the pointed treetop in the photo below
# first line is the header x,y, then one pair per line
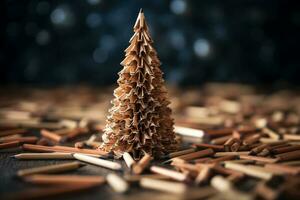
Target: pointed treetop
x,y
140,21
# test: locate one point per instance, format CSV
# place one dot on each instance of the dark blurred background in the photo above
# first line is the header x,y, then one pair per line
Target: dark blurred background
x,y
54,42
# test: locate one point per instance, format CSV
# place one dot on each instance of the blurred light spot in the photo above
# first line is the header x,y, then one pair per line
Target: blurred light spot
x,y
100,55
31,28
93,20
42,7
177,39
62,16
93,2
202,48
107,42
178,6
43,37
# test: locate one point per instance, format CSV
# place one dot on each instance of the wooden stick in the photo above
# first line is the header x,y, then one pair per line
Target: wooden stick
x,y
291,163
229,143
63,149
227,190
271,133
170,173
191,132
203,175
135,178
142,164
13,132
212,146
165,186
258,149
10,145
293,155
128,160
258,172
197,154
29,139
282,169
43,156
51,136
223,158
118,184
260,159
180,153
252,139
225,171
291,137
220,140
236,145
201,160
237,153
286,149
64,179
98,161
50,169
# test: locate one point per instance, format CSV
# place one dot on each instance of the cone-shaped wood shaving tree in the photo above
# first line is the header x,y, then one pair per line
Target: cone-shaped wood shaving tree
x,y
140,120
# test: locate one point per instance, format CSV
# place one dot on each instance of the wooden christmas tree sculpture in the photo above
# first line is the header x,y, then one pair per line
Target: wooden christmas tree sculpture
x,y
140,120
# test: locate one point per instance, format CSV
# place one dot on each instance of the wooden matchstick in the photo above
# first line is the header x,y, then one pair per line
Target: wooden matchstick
x,y
128,160
279,168
164,186
203,175
293,155
286,149
252,139
29,139
229,143
13,132
180,153
223,158
142,164
64,179
10,145
225,171
197,154
220,140
258,149
43,156
211,146
291,137
236,153
63,149
51,136
191,132
135,178
202,160
260,159
98,161
118,184
271,133
250,170
50,169
170,173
